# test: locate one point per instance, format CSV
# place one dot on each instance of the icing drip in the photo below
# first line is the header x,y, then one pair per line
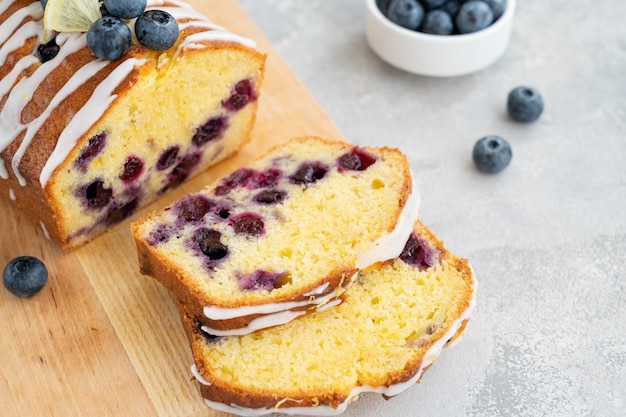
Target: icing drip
x,y
390,245
33,10
72,85
87,116
262,322
387,247
14,35
45,230
22,92
221,313
429,357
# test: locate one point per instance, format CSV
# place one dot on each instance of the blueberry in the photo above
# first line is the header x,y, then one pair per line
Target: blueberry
x,y
270,197
209,131
437,22
492,154
182,171
133,167
161,234
94,146
356,160
383,6
473,16
264,179
452,7
209,243
167,158
417,253
241,95
249,224
156,29
193,207
109,38
125,9
431,4
497,7
258,280
309,172
119,213
406,13
47,51
524,104
97,194
238,178
25,276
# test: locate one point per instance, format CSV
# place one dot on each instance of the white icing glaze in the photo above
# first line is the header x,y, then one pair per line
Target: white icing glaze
x,y
21,94
211,32
77,79
8,26
195,40
387,247
330,304
280,317
14,35
45,230
268,320
429,357
317,290
196,374
87,116
12,194
390,245
4,5
220,313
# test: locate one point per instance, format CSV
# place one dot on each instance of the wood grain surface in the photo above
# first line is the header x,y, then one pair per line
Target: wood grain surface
x,y
101,339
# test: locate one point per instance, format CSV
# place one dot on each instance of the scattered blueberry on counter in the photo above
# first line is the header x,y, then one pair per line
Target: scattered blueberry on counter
x,y
25,276
492,154
443,17
524,104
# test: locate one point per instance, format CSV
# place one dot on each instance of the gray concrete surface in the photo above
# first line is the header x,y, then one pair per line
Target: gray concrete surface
x,y
546,237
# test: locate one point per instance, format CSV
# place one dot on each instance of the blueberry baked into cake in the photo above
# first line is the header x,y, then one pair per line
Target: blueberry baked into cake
x,y
86,141
393,323
282,236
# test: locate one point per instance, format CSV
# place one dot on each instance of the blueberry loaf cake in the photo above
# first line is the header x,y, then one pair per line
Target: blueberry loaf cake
x,y
282,236
393,323
86,142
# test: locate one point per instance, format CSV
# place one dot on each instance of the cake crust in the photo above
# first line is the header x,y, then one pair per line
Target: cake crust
x,y
294,227
448,284
143,102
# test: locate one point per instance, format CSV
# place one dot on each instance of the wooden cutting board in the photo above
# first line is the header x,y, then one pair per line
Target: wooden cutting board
x,y
101,339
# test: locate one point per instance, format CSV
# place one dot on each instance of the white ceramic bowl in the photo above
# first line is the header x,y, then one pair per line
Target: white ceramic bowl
x,y
437,55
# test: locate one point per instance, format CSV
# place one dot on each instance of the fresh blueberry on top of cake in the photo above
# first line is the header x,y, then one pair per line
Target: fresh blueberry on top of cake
x,y
96,125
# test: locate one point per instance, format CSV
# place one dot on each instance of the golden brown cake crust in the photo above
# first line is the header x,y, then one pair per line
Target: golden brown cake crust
x,y
184,288
44,206
221,391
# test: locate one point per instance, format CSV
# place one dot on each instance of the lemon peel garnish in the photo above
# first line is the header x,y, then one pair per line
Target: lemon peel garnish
x,y
71,15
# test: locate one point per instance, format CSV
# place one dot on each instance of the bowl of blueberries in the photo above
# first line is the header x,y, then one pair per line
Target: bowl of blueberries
x,y
439,38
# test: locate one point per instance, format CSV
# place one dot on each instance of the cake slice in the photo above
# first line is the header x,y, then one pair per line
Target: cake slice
x,y
282,236
391,326
87,142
